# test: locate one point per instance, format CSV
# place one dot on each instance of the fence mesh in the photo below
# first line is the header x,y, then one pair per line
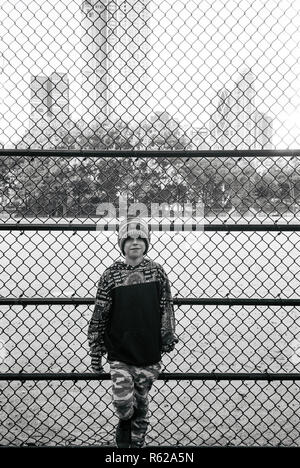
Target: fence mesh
x,y
153,74
168,106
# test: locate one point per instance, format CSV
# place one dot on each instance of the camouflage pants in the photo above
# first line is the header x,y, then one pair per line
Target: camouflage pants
x,y
130,388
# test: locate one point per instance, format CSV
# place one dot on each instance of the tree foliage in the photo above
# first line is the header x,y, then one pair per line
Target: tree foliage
x,y
67,186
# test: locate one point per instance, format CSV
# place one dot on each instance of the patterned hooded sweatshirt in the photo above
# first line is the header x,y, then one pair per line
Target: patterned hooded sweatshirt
x,y
133,319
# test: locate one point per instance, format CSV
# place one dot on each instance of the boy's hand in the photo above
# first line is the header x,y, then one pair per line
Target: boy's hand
x,y
168,348
169,340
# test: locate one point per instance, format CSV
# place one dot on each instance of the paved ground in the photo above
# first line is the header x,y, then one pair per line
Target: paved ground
x,y
220,339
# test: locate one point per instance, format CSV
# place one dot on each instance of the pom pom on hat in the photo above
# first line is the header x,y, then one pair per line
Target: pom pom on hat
x,y
133,227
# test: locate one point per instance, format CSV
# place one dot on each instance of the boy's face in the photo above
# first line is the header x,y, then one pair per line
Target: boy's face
x,y
134,247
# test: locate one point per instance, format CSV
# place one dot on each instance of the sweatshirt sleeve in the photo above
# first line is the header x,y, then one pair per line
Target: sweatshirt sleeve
x,y
168,336
99,320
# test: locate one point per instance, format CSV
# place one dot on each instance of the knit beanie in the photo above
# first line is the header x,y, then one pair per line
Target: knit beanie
x,y
133,227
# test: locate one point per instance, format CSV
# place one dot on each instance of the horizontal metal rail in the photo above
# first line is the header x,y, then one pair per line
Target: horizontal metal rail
x,y
149,153
234,301
156,227
240,376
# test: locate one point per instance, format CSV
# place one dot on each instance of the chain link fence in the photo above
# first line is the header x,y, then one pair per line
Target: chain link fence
x,y
190,112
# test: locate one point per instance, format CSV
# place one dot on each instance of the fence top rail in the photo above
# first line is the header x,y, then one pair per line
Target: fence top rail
x,y
171,226
218,376
149,153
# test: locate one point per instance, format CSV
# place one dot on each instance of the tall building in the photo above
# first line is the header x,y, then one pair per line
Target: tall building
x,y
236,122
39,99
49,99
115,59
60,96
96,46
3,82
5,109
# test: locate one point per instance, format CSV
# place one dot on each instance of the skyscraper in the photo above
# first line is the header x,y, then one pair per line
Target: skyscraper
x,y
59,94
3,82
40,98
116,59
49,99
96,46
236,122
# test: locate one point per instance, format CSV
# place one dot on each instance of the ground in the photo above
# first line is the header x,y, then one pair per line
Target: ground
x,y
212,339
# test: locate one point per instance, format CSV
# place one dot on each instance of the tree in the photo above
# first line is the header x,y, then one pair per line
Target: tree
x,y
66,186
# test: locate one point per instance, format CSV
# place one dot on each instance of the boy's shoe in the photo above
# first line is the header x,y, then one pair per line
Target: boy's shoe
x,y
123,433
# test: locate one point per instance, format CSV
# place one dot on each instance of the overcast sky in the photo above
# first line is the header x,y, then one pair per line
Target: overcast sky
x,y
198,47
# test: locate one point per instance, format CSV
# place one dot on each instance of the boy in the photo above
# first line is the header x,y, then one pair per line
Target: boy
x,y
133,322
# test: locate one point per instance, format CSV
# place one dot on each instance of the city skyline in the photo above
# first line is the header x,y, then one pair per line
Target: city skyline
x,y
196,51
235,124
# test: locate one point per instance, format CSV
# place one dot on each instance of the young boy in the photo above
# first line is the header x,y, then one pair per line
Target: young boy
x,y
133,322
